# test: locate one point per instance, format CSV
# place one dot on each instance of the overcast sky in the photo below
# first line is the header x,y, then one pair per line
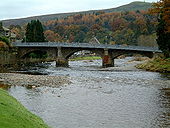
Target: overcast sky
x,y
10,9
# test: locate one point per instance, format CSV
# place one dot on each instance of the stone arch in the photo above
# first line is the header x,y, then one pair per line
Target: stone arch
x,y
64,54
24,52
51,52
35,51
69,52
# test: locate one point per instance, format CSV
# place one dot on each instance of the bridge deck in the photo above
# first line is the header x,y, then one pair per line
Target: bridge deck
x,y
86,45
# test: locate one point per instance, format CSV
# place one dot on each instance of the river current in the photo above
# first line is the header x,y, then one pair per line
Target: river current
x,y
100,98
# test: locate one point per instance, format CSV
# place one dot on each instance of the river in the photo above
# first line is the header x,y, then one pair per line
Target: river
x,y
100,98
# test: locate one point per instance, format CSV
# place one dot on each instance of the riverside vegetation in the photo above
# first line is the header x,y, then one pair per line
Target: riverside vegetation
x,y
85,58
162,64
156,65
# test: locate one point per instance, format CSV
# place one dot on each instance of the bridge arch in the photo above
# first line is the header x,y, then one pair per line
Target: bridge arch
x,y
99,53
24,52
65,53
36,54
50,53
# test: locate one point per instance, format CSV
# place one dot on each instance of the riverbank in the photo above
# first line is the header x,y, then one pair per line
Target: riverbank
x,y
85,58
14,115
156,65
31,81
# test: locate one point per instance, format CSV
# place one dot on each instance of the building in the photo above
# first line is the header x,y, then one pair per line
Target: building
x,y
5,32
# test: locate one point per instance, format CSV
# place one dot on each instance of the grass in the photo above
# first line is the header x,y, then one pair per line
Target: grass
x,y
14,115
156,65
86,58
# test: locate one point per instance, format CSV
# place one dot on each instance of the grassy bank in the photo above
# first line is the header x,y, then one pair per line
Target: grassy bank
x,y
86,58
14,115
156,65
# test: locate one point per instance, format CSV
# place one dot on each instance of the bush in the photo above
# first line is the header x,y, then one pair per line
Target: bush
x,y
3,44
6,40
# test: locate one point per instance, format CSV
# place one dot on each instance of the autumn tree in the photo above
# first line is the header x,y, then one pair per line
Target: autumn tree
x,y
18,31
162,8
52,36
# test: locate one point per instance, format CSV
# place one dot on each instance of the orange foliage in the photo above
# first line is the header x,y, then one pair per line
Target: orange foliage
x,y
163,7
51,36
3,44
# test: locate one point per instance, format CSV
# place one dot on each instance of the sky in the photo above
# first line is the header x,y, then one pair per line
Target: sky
x,y
11,9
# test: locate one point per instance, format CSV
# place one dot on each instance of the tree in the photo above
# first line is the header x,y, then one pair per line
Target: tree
x,y
0,25
34,32
51,36
162,8
163,39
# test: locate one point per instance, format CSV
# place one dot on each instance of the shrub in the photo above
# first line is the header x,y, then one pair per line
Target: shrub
x,y
6,40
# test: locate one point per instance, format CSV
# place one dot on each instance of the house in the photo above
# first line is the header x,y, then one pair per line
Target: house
x,y
12,37
5,32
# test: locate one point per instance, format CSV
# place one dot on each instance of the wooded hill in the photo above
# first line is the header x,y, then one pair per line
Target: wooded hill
x,y
129,7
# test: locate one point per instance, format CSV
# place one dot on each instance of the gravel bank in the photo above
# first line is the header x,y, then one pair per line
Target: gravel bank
x,y
15,79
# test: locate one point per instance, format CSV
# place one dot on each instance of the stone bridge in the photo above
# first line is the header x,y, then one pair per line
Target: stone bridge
x,y
60,52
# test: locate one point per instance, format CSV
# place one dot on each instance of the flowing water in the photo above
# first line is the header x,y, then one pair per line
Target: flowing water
x,y
100,98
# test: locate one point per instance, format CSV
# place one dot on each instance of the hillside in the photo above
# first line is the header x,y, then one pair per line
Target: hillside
x,y
44,18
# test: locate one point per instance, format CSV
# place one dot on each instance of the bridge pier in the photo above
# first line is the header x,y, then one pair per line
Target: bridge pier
x,y
61,61
108,61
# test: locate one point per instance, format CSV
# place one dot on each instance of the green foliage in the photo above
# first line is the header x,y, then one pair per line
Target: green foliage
x,y
147,40
0,25
38,54
34,32
33,55
163,37
6,40
86,58
14,115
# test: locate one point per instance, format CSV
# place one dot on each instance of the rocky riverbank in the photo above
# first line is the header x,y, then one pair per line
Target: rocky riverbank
x,y
15,79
